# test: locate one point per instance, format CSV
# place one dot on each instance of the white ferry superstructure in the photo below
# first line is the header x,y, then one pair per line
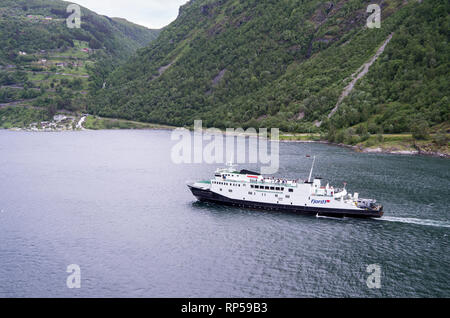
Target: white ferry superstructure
x,y
249,189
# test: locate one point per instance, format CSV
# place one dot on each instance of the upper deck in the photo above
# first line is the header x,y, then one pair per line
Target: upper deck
x,y
247,176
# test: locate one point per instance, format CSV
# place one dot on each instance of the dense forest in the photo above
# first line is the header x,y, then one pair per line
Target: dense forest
x,y
285,63
33,25
47,67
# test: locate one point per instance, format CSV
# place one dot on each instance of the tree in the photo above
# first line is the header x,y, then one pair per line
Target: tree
x,y
420,129
441,139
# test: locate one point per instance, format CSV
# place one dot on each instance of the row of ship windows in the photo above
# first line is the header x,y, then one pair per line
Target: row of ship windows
x,y
269,188
224,175
276,195
263,194
227,183
252,186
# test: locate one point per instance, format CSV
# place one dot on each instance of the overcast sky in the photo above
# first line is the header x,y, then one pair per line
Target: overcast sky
x,y
150,13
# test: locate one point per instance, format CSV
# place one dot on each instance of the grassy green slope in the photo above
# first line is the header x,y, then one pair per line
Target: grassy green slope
x,y
285,63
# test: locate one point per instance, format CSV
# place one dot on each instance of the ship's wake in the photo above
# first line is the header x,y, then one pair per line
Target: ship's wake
x,y
415,221
330,217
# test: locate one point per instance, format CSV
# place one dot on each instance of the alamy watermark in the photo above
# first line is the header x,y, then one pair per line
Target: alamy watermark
x,y
73,21
74,279
221,148
374,20
374,279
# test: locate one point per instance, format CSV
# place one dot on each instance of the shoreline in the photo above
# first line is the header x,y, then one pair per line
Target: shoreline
x,y
147,126
376,150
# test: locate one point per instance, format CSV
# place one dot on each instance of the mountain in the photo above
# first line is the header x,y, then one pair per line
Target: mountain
x,y
46,67
33,25
300,65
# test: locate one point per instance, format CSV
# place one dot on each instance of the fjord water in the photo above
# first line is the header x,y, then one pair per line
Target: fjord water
x,y
113,203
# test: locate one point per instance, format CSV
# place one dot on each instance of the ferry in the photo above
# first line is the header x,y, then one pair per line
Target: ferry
x,y
248,189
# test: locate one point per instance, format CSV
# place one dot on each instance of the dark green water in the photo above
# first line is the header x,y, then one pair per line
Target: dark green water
x,y
114,203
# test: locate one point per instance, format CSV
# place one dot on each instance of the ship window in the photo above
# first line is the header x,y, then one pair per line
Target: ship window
x,y
250,193
267,188
288,196
251,186
277,188
291,190
282,188
220,189
276,195
230,190
272,188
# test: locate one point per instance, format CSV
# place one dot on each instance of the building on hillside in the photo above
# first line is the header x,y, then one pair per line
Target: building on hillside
x,y
59,118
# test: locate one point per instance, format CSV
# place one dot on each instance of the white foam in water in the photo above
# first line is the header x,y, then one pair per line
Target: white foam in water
x,y
330,217
415,221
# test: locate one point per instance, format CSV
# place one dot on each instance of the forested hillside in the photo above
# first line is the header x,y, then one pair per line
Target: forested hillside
x,y
33,25
285,64
46,67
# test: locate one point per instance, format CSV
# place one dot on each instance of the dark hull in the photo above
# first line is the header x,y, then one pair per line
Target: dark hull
x,y
208,196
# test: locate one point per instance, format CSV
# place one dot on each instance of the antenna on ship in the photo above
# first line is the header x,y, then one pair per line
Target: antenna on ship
x,y
312,167
230,163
